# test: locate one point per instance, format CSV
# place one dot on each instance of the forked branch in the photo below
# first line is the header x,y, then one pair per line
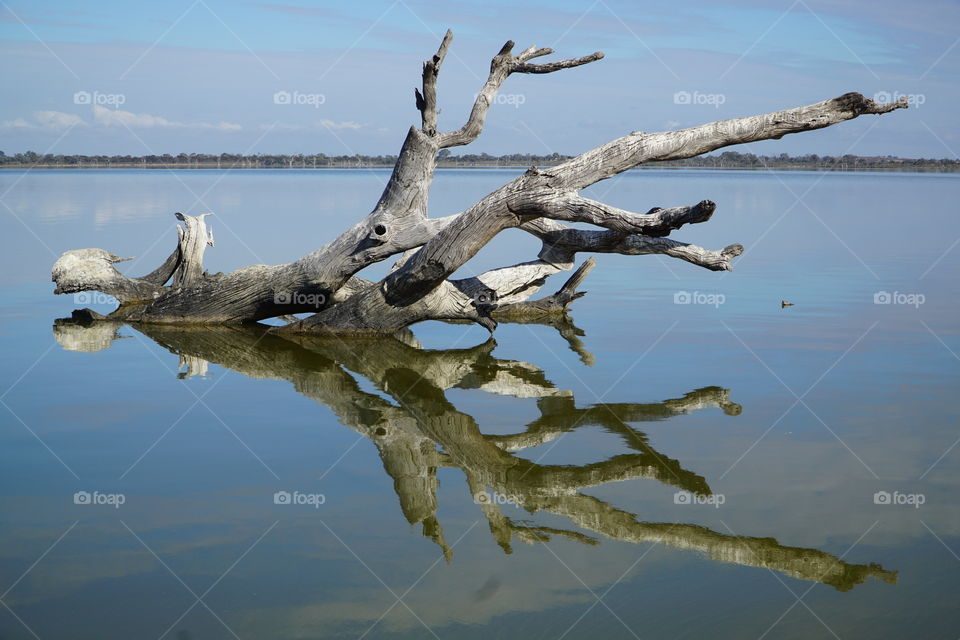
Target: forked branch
x,y
540,201
503,64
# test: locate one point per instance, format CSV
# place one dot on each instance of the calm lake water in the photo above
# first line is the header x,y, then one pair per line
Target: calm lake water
x,y
723,468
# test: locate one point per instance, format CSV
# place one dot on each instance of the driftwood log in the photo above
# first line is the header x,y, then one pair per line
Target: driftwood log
x,y
324,282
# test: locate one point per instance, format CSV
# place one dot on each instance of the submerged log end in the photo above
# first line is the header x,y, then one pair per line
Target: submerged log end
x,y
92,270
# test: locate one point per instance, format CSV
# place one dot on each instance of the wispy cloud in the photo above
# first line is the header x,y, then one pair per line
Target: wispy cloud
x,y
111,118
117,117
49,120
108,118
330,124
358,61
320,125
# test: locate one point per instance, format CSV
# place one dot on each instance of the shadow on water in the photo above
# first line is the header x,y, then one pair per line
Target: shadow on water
x,y
418,430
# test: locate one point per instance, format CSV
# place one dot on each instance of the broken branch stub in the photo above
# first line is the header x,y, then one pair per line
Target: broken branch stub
x,y
193,239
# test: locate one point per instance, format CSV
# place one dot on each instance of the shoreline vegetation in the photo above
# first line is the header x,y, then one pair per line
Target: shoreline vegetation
x,y
725,160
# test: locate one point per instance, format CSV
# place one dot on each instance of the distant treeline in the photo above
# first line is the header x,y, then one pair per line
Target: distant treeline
x,y
727,159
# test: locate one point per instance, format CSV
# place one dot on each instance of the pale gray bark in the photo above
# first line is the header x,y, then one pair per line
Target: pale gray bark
x,y
324,282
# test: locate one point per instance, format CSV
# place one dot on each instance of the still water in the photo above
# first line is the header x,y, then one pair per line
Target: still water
x,y
683,458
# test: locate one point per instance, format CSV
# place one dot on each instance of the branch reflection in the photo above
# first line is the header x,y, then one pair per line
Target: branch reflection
x,y
418,430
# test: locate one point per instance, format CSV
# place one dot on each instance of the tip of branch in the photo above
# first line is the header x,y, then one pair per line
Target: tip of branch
x,y
859,104
549,67
532,52
444,45
730,253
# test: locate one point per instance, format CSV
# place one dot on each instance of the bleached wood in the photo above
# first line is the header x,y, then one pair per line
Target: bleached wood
x,y
325,284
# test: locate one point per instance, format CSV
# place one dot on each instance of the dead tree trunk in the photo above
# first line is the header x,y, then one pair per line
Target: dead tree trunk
x,y
419,288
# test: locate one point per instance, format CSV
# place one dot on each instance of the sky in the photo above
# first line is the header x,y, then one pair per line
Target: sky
x,y
211,76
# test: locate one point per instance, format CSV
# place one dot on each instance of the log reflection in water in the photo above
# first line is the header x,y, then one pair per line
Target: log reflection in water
x,y
421,431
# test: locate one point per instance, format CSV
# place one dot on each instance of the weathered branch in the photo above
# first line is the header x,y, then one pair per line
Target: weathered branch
x,y
324,282
639,147
560,243
418,290
193,241
655,223
427,101
92,270
504,208
164,272
501,67
552,304
550,67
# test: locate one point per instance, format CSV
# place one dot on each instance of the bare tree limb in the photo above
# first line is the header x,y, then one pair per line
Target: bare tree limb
x,y
501,67
427,101
193,241
552,304
639,147
324,282
655,223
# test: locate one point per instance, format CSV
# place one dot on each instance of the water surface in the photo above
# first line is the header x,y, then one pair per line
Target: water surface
x,y
648,469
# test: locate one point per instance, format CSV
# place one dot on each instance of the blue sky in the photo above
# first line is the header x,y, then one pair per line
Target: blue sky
x,y
205,75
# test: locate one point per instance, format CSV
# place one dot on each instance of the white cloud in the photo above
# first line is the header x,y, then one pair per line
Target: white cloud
x,y
104,117
280,126
57,120
117,117
19,123
50,120
330,124
314,126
